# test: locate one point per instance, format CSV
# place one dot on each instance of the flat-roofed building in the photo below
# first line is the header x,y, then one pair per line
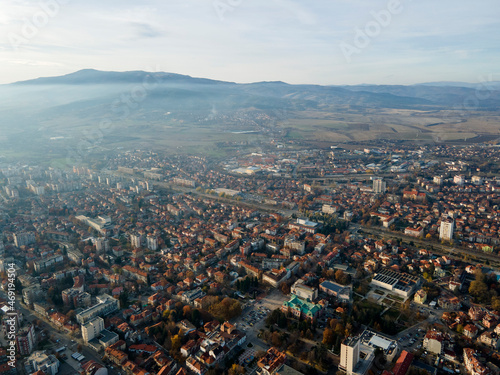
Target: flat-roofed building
x,y
92,329
105,306
349,355
341,292
39,361
300,289
398,282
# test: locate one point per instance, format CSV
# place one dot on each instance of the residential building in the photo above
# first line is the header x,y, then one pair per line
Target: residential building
x,y
105,306
92,329
473,364
433,342
349,355
470,331
152,242
25,340
271,362
420,296
446,229
379,185
39,361
24,238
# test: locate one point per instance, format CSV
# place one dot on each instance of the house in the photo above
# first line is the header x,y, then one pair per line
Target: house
x,y
449,302
476,313
491,339
433,342
420,296
472,363
470,331
271,361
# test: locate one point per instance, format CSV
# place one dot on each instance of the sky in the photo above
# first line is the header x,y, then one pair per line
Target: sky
x,y
296,41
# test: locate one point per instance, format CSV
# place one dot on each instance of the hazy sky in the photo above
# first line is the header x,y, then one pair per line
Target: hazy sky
x,y
318,41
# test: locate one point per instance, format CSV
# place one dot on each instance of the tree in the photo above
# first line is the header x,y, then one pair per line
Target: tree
x,y
328,337
195,317
285,288
495,303
276,339
236,370
167,343
478,287
176,343
123,298
186,310
339,274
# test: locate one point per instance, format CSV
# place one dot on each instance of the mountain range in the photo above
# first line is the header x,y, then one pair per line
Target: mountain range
x,y
145,106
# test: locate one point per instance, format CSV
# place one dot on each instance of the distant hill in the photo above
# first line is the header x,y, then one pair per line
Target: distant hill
x,y
155,107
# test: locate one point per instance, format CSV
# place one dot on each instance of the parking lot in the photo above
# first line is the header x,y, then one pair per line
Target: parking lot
x,y
252,320
255,315
412,340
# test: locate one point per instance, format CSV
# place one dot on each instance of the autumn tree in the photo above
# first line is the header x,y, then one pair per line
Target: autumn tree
x,y
276,339
478,288
176,343
285,288
328,336
186,311
236,370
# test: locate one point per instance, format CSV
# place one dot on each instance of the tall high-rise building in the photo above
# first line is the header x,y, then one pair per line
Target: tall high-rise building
x,y
136,240
152,242
379,185
349,354
101,245
25,340
92,329
446,229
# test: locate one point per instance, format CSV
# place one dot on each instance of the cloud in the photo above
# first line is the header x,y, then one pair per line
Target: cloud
x,y
145,30
289,40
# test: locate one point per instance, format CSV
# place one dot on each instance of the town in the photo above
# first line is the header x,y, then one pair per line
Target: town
x,y
361,259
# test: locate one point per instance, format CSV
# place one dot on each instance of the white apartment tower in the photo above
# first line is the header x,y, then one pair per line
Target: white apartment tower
x,y
152,242
101,245
92,329
446,229
136,240
349,355
379,185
